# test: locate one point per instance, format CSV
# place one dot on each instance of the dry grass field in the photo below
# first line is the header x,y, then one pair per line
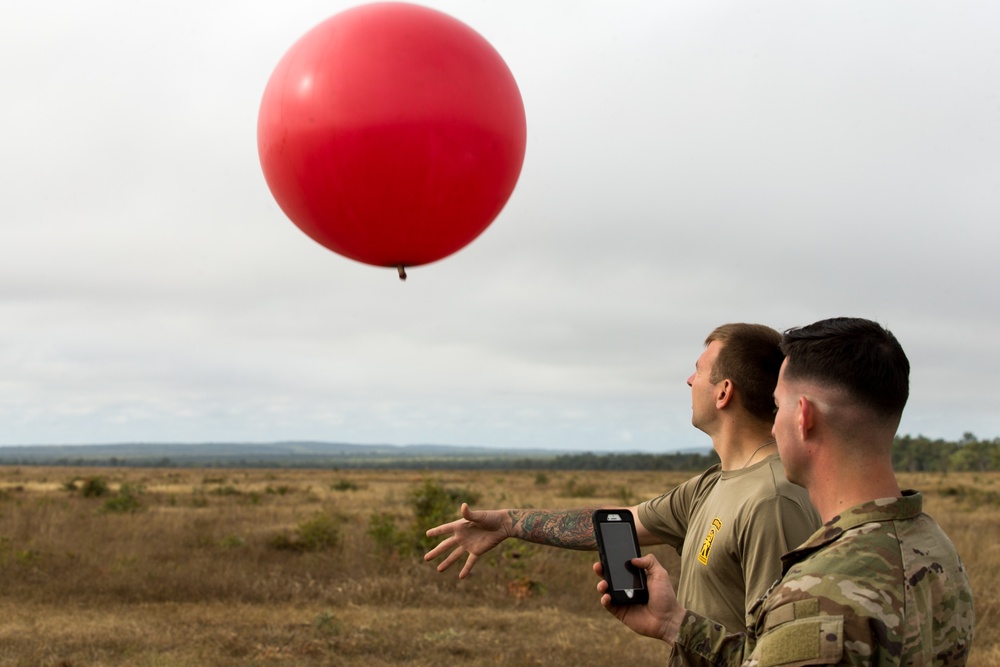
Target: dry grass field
x,y
188,567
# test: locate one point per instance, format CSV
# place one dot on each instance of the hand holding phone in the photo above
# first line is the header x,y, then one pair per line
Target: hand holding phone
x,y
618,544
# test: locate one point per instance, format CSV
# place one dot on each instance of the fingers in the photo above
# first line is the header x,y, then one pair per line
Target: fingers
x,y
443,529
602,585
443,547
647,563
602,588
450,560
452,526
440,548
469,515
470,562
459,551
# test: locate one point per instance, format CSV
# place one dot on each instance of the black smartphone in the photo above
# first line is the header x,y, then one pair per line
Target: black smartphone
x,y
618,544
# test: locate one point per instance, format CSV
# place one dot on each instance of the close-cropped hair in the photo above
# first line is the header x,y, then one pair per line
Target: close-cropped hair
x,y
853,354
750,358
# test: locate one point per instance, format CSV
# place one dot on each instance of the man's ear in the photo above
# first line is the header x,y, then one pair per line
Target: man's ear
x,y
724,394
806,417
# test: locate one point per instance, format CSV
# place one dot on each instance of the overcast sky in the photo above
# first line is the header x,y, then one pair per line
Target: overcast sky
x,y
688,164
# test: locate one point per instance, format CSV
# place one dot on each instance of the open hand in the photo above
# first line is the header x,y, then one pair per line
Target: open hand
x,y
475,534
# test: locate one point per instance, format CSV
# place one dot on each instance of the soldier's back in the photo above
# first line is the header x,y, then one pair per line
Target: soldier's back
x,y
893,577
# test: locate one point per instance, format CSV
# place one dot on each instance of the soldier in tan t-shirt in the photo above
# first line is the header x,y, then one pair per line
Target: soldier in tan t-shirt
x,y
731,528
738,516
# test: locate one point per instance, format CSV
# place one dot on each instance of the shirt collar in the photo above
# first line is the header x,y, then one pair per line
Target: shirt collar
x,y
881,509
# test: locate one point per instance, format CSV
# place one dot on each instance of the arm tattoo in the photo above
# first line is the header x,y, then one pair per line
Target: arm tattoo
x,y
569,529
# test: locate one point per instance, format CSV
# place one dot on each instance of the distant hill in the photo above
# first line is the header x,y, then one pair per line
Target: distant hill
x,y
298,454
909,453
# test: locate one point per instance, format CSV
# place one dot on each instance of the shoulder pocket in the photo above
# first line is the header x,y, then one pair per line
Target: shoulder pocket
x,y
815,640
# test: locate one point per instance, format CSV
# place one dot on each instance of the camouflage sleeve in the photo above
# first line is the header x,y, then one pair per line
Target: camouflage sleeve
x,y
702,641
797,633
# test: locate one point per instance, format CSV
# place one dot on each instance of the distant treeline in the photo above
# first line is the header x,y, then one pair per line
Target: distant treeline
x,y
969,454
910,454
681,461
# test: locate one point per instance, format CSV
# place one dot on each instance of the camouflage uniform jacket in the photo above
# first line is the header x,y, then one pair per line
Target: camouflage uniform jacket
x,y
881,584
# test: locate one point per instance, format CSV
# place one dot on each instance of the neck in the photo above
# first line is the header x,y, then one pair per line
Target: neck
x,y
761,452
740,448
841,486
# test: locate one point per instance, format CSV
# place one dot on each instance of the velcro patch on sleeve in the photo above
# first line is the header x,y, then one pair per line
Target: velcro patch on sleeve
x,y
789,612
817,640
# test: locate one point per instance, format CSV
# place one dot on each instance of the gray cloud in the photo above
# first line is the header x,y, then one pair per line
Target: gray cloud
x,y
687,165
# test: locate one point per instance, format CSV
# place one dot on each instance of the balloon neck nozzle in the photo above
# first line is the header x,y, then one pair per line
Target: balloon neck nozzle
x,y
402,272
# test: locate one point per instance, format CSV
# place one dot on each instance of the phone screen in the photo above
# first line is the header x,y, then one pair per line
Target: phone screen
x,y
620,550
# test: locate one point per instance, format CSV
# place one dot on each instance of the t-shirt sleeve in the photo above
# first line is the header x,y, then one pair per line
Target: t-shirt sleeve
x,y
667,516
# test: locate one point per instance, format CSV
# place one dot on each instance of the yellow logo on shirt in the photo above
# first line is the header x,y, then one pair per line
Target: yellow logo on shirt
x,y
706,547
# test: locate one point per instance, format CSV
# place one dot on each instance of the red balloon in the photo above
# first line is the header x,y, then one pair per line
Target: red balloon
x,y
392,134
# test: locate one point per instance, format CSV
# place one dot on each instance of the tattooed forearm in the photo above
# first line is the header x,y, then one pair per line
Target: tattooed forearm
x,y
569,529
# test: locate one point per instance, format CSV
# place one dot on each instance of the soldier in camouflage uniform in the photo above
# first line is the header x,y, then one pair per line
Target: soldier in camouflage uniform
x,y
880,583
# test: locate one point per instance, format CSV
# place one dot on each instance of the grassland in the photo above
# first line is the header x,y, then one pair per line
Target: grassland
x,y
187,567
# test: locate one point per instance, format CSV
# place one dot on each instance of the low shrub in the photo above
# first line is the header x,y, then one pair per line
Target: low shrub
x,y
320,532
126,501
94,487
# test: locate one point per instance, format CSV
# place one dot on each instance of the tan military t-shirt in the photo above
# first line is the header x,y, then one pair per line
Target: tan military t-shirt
x,y
730,529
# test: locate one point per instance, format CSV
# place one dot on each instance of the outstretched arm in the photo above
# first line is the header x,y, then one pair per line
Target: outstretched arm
x,y
569,529
479,531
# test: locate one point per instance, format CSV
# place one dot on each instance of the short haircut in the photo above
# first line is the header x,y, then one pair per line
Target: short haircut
x,y
751,358
855,355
